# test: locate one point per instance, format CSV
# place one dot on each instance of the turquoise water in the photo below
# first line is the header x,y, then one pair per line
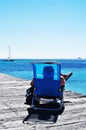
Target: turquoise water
x,y
23,69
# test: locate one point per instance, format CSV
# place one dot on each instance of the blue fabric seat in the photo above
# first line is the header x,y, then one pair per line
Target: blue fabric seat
x,y
47,79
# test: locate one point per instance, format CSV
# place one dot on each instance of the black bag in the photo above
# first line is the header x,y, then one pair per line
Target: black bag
x,y
29,95
29,99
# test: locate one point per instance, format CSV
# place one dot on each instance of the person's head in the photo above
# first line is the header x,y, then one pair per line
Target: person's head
x,y
48,72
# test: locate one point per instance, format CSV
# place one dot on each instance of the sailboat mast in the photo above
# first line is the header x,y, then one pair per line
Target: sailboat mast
x,y
9,53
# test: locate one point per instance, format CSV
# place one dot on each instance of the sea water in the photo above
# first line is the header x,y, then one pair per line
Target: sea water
x,y
22,68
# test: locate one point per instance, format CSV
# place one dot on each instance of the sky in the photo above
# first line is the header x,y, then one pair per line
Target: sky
x,y
43,28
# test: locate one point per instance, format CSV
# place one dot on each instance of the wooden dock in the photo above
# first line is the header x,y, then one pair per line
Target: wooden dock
x,y
13,110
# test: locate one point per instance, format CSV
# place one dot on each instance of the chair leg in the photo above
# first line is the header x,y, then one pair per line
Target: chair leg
x,y
35,101
55,118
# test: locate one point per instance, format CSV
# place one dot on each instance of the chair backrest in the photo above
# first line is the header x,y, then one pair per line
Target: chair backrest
x,y
47,79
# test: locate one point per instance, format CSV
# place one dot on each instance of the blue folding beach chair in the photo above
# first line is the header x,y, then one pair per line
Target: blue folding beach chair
x,y
47,94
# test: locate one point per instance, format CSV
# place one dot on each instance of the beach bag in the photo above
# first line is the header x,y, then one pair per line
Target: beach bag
x,y
29,99
29,95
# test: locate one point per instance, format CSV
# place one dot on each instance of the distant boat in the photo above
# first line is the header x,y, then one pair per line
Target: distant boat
x,y
9,57
79,58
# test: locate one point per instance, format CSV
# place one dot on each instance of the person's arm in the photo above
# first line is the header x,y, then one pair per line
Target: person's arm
x,y
32,82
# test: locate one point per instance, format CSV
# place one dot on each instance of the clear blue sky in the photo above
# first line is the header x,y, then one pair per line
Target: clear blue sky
x,y
43,28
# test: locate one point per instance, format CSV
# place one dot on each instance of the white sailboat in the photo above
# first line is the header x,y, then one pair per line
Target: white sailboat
x,y
10,56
